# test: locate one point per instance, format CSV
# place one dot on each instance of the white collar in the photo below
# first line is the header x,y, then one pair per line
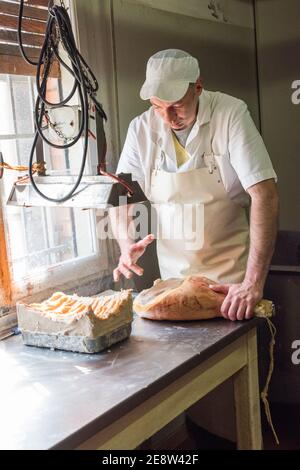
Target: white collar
x,y
204,110
163,133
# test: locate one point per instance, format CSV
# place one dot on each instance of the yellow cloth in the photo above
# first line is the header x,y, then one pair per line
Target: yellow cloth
x,y
181,154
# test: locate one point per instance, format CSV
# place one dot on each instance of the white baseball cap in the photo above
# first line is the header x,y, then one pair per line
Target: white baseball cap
x,y
169,74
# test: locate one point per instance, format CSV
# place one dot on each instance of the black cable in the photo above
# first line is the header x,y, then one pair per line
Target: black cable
x,y
19,34
59,31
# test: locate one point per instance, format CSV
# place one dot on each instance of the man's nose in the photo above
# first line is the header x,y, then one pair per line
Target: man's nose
x,y
170,114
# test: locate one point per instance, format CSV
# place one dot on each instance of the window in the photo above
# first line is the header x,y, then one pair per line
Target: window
x,y
44,247
42,242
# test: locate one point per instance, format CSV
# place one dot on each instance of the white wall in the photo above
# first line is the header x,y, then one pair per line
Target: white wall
x,y
278,38
236,12
226,52
118,36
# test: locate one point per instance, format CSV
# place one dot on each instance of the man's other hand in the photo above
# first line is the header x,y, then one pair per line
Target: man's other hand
x,y
240,299
129,256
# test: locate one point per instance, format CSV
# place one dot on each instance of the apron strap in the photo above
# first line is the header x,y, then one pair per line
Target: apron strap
x,y
159,160
208,157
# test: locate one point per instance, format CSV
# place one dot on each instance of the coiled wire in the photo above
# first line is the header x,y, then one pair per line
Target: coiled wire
x,y
59,30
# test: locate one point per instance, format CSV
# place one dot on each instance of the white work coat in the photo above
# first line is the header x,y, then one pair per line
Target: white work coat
x,y
219,147
245,160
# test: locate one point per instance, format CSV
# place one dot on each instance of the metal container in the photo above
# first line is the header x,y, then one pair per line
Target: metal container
x,y
80,344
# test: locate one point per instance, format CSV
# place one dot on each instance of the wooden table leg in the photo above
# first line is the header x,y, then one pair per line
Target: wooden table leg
x,y
247,399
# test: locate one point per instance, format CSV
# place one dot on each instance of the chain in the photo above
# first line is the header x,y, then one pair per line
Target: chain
x,y
57,131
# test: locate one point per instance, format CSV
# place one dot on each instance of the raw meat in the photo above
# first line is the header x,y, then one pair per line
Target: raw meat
x,y
184,299
189,298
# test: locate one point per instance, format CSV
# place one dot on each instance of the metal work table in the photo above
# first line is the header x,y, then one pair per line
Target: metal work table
x,y
118,398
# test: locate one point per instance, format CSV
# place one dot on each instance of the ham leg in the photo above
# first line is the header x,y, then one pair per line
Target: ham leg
x,y
184,299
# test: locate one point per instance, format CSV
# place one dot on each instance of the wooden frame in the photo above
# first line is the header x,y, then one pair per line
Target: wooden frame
x,y
239,360
5,276
35,14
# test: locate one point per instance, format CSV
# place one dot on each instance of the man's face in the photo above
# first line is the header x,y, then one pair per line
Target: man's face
x,y
180,114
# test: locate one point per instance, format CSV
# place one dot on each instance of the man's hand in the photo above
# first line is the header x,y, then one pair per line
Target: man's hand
x,y
240,299
129,256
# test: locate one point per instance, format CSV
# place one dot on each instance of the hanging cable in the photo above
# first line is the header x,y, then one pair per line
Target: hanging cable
x,y
59,33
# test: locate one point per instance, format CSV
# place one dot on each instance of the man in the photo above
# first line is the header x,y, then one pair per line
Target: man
x,y
201,149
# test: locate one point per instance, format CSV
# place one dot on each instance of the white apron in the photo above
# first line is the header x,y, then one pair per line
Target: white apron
x,y
199,228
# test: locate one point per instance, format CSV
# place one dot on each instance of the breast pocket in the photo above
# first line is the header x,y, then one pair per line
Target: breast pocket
x,y
231,181
227,172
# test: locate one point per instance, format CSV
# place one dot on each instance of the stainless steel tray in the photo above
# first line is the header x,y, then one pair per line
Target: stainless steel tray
x,y
80,344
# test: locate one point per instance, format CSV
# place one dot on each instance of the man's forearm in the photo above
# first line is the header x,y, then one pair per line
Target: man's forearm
x,y
263,230
121,225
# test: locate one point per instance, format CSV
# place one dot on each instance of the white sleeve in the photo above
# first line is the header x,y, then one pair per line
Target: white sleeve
x,y
130,161
248,154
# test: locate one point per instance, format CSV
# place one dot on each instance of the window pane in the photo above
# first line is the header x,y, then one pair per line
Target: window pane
x,y
40,237
23,150
9,152
15,152
6,115
34,225
23,104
